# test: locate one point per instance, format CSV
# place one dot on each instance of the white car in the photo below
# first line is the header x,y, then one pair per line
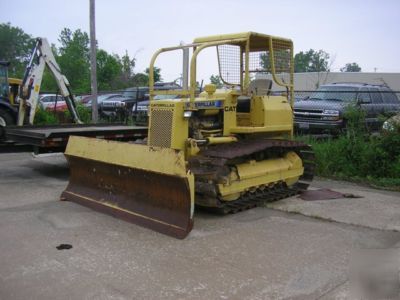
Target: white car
x,y
49,101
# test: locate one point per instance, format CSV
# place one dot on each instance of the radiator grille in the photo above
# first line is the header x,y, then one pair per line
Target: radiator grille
x,y
161,128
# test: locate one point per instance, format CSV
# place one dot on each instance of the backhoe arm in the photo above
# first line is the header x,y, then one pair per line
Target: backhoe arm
x,y
29,93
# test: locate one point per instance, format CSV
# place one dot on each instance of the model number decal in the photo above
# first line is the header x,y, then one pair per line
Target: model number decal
x,y
230,108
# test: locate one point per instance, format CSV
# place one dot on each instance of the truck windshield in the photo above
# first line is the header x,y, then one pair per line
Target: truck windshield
x,y
130,93
335,93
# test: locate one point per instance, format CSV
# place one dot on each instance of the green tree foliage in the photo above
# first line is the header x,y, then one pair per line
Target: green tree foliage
x,y
311,61
351,67
281,61
109,69
216,79
128,66
74,59
157,74
15,47
48,82
140,79
72,55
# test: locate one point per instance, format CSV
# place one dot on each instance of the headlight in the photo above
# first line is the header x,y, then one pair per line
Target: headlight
x,y
187,114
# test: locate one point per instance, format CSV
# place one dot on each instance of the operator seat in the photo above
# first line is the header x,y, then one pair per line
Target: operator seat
x,y
260,87
257,87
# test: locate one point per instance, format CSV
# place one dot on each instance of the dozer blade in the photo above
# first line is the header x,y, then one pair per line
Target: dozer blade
x,y
148,186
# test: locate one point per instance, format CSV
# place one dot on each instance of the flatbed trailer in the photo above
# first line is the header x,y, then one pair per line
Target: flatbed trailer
x,y
54,138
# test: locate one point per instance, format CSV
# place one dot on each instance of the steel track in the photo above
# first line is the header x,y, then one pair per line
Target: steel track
x,y
275,191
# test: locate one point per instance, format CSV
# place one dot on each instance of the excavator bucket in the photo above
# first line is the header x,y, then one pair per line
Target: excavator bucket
x,y
148,186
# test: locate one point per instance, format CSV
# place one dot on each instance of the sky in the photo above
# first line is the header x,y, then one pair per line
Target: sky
x,y
362,31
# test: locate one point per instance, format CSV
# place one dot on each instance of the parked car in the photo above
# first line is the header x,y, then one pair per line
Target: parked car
x,y
87,101
59,106
48,101
140,108
324,110
116,107
121,106
125,105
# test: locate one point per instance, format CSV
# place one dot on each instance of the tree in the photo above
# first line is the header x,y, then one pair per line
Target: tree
x,y
311,61
74,59
109,69
16,47
351,67
157,74
48,82
281,61
128,65
140,79
72,55
216,79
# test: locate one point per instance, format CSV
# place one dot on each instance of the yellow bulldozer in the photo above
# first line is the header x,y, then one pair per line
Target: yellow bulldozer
x,y
224,149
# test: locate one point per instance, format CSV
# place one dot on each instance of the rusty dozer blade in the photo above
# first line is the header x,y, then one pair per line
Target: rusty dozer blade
x,y
148,186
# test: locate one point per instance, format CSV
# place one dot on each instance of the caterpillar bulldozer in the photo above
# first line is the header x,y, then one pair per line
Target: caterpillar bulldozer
x,y
225,149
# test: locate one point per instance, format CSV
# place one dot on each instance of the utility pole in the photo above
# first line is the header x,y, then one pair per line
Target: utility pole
x,y
93,68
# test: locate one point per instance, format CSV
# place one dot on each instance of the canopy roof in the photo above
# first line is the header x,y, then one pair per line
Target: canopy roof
x,y
257,40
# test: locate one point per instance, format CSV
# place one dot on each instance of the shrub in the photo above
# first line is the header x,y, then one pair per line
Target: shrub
x,y
44,117
356,155
85,114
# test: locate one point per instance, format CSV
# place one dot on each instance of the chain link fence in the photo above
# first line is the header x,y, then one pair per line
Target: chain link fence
x,y
321,111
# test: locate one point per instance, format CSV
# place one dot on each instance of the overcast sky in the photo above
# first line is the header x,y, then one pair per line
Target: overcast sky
x,y
362,31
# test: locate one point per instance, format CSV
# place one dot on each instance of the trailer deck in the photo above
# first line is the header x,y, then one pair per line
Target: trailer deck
x,y
55,137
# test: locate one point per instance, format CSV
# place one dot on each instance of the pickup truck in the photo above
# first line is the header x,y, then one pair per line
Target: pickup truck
x,y
324,110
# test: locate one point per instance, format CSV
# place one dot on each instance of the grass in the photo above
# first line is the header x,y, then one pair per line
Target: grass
x,y
44,117
85,114
358,156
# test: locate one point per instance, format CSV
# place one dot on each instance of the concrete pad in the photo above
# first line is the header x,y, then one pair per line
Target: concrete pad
x,y
377,209
256,254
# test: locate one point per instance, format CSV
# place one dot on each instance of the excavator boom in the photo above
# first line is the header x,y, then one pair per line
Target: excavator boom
x,y
41,57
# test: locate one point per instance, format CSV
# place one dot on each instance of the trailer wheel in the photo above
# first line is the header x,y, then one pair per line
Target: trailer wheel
x,y
5,118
